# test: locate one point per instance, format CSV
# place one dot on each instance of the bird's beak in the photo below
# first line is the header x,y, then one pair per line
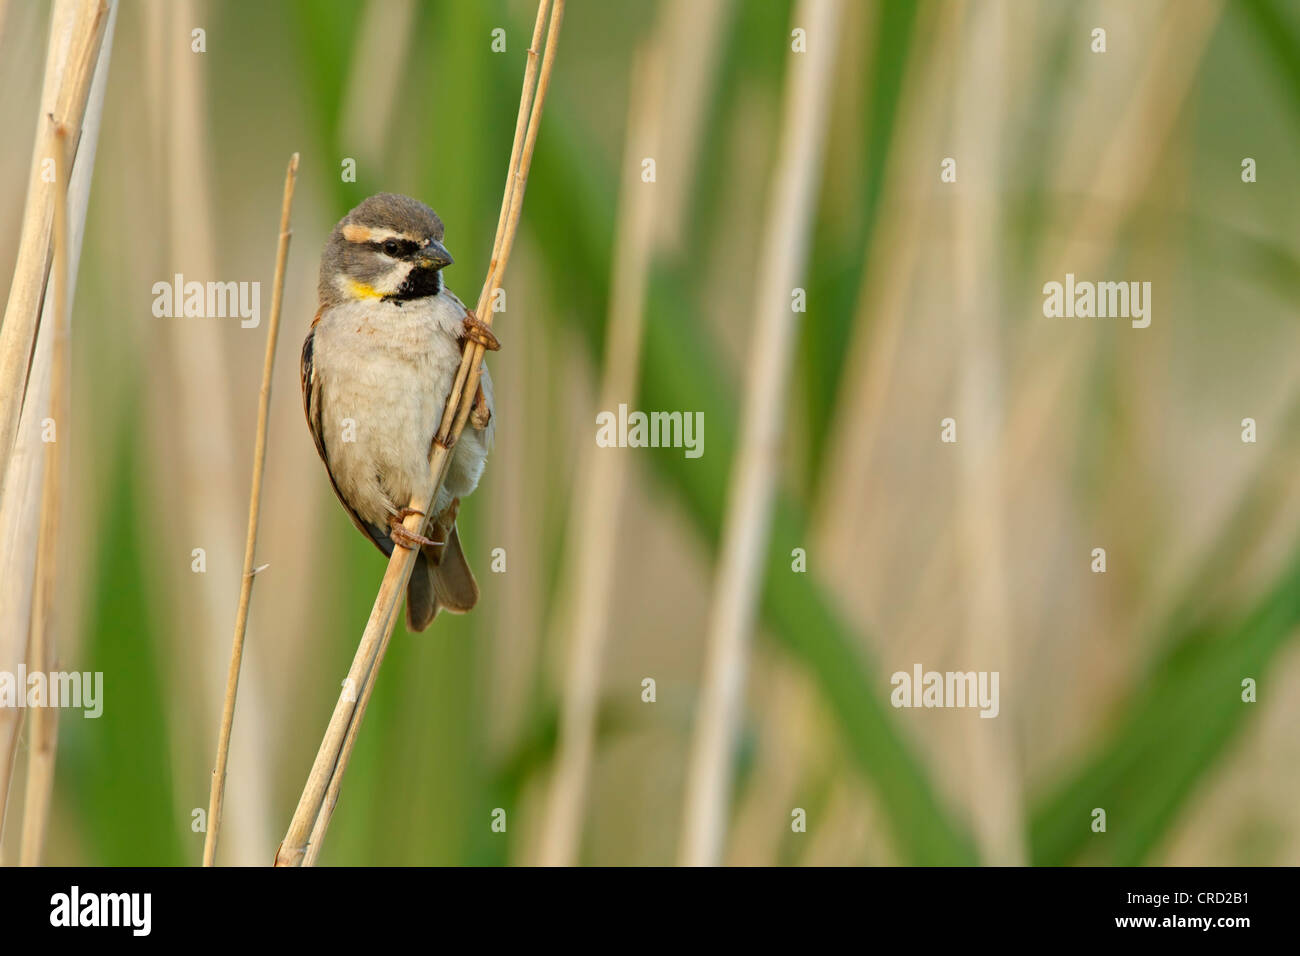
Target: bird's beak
x,y
434,255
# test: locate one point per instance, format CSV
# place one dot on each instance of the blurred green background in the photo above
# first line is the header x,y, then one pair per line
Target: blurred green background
x,y
1120,691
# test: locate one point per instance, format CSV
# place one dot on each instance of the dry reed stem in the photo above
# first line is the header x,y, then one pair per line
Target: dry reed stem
x,y
994,796
326,814
472,360
602,477
694,32
384,40
886,278
1149,118
665,116
217,795
76,33
76,72
1132,155
844,520
41,651
335,749
754,475
191,409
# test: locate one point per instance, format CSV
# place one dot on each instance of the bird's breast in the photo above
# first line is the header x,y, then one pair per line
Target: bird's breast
x,y
385,371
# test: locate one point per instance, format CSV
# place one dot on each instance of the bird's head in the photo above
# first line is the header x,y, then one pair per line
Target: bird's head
x,y
387,248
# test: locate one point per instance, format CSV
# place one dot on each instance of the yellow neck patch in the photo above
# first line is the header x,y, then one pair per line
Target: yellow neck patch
x,y
362,291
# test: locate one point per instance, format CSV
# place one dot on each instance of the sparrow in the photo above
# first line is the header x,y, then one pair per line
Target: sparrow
x,y
377,365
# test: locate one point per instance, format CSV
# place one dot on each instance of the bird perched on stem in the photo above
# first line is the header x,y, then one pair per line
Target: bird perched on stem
x,y
377,366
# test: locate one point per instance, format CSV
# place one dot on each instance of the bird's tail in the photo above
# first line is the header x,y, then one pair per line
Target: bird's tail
x,y
440,581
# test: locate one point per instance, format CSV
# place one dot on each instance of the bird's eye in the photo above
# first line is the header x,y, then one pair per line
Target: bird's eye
x,y
390,247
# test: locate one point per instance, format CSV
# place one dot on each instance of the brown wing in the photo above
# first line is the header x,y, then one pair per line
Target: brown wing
x,y
311,406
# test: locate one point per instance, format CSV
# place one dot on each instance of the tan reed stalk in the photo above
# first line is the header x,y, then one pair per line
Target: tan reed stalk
x,y
191,409
217,795
589,575
335,749
887,275
755,471
665,113
1149,118
317,839
76,34
1128,163
383,45
41,651
994,796
76,72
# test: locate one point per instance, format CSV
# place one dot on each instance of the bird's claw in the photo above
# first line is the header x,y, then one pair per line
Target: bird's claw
x,y
481,414
479,332
404,537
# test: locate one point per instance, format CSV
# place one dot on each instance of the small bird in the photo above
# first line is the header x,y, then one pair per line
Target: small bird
x,y
376,369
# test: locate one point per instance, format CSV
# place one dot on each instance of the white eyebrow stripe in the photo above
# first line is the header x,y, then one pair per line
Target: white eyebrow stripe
x,y
353,232
379,235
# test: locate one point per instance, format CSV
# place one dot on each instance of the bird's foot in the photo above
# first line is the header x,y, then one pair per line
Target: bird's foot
x,y
405,538
480,415
478,331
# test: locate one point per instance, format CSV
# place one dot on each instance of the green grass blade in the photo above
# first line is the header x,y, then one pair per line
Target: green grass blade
x,y
1173,730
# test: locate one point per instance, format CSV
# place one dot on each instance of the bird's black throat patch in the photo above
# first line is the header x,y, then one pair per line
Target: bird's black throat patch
x,y
419,284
